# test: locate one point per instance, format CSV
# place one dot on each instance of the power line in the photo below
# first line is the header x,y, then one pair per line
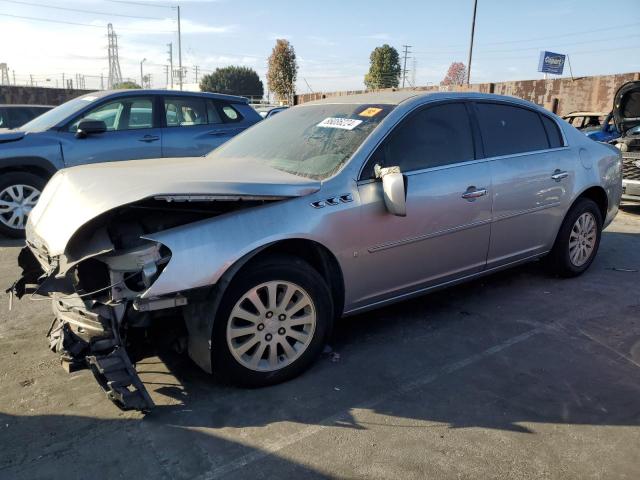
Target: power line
x,y
94,12
22,17
143,4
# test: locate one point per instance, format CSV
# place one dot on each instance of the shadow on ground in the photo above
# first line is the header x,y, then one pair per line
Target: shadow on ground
x,y
506,353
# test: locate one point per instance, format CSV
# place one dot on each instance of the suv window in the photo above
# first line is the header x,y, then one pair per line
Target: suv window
x,y
185,111
508,129
553,132
130,113
19,116
432,137
212,112
229,114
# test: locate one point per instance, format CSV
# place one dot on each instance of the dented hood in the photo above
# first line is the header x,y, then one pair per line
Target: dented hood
x,y
76,195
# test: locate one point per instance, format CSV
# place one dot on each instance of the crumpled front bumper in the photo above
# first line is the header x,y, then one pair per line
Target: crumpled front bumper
x,y
86,335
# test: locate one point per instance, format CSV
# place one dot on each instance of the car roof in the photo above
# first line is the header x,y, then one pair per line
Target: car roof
x,y
398,97
173,93
585,114
19,105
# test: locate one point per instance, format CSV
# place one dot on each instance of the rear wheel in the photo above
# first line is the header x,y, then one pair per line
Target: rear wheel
x,y
19,192
272,323
578,239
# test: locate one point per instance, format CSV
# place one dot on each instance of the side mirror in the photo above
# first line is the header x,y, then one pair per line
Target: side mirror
x,y
395,195
90,127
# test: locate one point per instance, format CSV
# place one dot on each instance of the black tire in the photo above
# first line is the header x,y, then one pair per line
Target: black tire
x,y
559,259
274,268
18,178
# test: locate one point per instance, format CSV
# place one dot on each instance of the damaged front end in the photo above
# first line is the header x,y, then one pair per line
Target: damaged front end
x,y
97,287
95,303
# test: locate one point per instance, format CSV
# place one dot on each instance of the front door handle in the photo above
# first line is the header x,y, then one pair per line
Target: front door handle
x,y
472,193
149,138
559,175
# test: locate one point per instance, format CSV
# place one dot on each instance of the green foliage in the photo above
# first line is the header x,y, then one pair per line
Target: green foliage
x,y
233,80
283,71
126,85
385,69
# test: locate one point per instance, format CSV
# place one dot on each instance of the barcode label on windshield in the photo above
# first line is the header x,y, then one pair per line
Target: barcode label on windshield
x,y
342,123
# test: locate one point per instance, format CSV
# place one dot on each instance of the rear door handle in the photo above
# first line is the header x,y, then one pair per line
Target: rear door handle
x,y
218,132
473,193
149,138
559,175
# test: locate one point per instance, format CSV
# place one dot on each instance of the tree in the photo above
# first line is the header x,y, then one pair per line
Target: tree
x,y
283,71
456,75
126,85
233,80
385,69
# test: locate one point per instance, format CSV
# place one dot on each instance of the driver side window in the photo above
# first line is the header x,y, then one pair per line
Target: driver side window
x,y
125,114
431,137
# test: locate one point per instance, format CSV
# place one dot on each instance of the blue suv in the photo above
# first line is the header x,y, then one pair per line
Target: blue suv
x,y
110,126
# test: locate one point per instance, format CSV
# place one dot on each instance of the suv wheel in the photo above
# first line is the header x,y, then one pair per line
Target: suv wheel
x,y
19,192
272,323
578,239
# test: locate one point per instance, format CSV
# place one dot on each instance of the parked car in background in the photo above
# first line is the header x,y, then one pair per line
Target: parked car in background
x,y
606,132
328,209
626,114
111,126
582,120
275,111
14,116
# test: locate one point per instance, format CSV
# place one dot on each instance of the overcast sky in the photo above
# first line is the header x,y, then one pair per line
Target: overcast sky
x,y
332,38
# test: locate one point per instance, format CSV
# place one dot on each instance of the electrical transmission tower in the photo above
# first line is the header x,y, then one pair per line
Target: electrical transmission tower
x,y
115,75
404,66
4,74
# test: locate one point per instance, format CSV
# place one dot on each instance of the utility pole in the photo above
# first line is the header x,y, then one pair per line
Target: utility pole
x,y
196,68
473,29
170,45
404,66
141,73
179,48
31,78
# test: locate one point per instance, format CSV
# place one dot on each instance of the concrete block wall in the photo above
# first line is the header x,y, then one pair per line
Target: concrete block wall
x,y
16,94
561,95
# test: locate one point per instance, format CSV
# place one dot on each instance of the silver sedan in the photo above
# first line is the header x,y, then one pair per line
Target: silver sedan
x,y
326,210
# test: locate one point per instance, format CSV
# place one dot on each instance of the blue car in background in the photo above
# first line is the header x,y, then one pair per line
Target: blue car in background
x,y
110,126
605,132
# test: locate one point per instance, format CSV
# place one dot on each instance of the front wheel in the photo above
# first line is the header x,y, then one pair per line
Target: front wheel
x,y
578,239
272,323
19,192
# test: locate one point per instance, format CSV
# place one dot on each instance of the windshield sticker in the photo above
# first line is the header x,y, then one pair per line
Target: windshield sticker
x,y
370,112
341,123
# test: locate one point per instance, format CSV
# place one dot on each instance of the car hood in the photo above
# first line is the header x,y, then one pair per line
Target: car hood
x,y
74,196
626,107
7,135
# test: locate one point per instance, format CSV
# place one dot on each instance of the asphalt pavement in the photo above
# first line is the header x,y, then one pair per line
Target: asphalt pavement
x,y
515,375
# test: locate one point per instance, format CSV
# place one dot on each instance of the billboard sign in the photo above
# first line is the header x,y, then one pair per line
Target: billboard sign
x,y
551,63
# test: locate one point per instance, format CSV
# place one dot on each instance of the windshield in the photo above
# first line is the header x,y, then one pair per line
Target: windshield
x,y
311,141
58,114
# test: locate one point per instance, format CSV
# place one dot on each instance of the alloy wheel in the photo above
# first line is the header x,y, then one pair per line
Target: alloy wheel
x,y
271,326
16,202
582,239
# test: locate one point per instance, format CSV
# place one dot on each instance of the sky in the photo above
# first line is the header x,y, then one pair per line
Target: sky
x,y
332,38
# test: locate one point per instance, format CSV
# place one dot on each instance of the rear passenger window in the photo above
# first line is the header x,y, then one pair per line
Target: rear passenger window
x,y
507,129
435,136
185,111
553,132
212,112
